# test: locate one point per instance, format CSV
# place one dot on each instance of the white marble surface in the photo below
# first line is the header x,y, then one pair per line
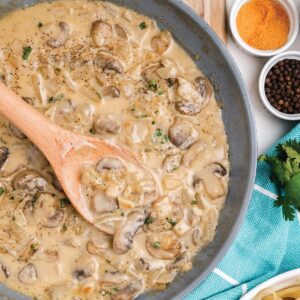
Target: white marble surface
x,y
269,128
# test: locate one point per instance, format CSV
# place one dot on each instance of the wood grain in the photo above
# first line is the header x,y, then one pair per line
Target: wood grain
x,y
213,12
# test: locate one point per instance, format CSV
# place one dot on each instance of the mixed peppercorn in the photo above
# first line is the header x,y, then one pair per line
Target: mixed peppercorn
x,y
282,86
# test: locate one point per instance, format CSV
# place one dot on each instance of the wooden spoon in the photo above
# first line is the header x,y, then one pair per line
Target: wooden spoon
x,y
65,150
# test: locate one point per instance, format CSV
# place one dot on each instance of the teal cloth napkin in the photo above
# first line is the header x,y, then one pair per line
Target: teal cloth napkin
x,y
265,246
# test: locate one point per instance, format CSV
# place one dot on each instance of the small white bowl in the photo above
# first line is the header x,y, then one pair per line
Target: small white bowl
x,y
293,15
263,75
277,283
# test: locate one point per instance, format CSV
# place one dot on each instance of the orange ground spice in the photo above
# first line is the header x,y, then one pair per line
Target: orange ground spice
x,y
263,24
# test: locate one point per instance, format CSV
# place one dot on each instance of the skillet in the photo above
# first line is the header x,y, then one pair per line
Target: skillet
x,y
196,37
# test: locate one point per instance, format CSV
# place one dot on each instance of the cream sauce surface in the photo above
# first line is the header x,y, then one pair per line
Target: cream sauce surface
x,y
103,70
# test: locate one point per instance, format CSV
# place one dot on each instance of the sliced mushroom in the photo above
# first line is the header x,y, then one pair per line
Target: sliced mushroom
x,y
164,245
47,212
162,42
217,169
101,203
129,292
167,277
106,222
142,265
189,100
121,32
101,33
62,36
123,238
49,255
28,274
29,180
172,162
108,124
111,91
28,100
182,134
84,271
203,87
4,153
109,163
16,132
211,179
99,243
108,63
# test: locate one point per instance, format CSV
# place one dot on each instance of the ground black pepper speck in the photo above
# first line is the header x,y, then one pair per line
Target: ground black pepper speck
x,y
282,86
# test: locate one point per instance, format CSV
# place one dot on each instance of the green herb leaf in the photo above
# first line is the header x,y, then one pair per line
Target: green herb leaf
x,y
171,221
64,202
143,25
2,190
26,52
153,86
34,248
156,245
64,228
158,132
194,202
149,220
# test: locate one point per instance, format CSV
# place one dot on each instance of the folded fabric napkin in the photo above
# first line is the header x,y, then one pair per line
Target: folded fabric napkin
x,y
266,245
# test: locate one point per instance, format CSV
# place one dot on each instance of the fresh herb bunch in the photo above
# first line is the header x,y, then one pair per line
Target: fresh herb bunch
x,y
285,173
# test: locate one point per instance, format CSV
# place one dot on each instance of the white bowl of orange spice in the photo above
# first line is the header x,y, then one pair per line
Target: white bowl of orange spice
x,y
264,27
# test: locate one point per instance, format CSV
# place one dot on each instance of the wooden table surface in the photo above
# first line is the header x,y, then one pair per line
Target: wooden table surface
x,y
213,12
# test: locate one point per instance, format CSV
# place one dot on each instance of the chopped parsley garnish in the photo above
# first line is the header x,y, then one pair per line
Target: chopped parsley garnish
x,y
2,190
153,122
122,214
64,202
160,91
194,202
171,221
170,82
158,132
34,248
40,24
56,98
64,228
153,86
285,173
115,289
92,130
156,245
26,52
143,25
165,139
149,220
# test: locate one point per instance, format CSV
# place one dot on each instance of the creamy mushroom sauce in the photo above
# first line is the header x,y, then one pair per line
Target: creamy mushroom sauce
x,y
98,69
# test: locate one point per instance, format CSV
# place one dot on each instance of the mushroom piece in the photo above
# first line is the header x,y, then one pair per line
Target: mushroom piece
x,y
164,245
203,87
125,231
211,178
171,162
16,132
111,91
106,222
142,265
47,213
108,124
49,255
129,292
102,203
182,134
121,32
99,243
28,274
190,100
109,163
4,152
162,42
62,36
85,271
196,236
101,33
109,279
29,180
108,63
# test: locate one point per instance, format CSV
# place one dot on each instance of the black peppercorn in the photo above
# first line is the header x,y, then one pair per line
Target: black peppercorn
x,y
282,86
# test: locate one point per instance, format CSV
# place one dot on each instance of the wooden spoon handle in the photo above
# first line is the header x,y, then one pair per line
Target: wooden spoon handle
x,y
36,127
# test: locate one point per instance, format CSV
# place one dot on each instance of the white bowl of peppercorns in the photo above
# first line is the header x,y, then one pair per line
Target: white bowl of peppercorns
x,y
279,86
